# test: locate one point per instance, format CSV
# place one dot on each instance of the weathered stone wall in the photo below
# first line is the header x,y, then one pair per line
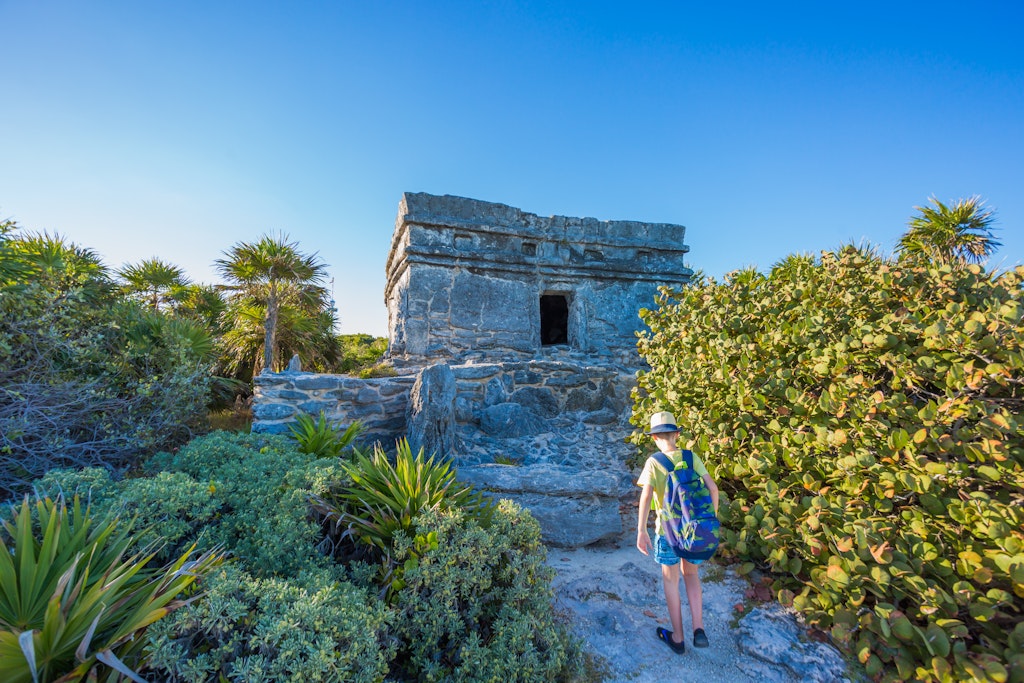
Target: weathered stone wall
x,y
493,402
465,279
548,434
379,403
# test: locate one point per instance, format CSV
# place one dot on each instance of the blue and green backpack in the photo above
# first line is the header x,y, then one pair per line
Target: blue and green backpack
x,y
688,519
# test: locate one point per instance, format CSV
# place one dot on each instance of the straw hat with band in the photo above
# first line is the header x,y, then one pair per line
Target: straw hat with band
x,y
662,423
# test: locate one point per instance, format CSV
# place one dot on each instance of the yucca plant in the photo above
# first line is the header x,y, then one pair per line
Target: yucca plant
x,y
321,437
73,601
383,499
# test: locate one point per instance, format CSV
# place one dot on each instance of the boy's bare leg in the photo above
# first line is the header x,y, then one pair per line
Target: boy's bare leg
x,y
670,578
694,594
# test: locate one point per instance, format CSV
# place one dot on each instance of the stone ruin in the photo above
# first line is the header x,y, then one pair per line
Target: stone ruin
x,y
514,341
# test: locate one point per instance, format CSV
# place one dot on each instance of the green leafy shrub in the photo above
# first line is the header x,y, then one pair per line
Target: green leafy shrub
x,y
360,352
261,485
309,627
281,610
322,438
89,381
247,493
170,509
863,416
383,369
76,595
476,601
378,500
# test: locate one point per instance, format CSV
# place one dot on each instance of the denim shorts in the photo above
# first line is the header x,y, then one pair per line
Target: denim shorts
x,y
663,553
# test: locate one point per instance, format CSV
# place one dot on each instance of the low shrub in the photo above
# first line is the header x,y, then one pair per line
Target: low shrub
x,y
307,627
468,592
261,486
247,493
170,509
863,416
359,352
476,601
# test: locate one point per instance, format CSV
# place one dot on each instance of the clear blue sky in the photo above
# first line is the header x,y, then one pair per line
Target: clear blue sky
x,y
175,130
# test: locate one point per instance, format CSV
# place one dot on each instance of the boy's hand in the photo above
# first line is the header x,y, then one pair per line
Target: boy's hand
x,y
643,542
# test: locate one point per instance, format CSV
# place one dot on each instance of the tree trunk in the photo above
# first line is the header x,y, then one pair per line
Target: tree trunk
x,y
270,338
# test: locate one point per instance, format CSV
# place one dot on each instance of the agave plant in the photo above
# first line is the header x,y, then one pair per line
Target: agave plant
x,y
322,438
73,601
384,499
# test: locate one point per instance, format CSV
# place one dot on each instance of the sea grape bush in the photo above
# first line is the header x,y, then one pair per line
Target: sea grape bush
x,y
863,417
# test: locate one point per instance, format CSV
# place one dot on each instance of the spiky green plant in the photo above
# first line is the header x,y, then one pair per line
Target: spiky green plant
x,y
382,500
75,595
958,233
323,438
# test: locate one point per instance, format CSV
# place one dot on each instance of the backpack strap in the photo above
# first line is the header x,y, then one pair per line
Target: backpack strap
x,y
664,462
688,459
667,465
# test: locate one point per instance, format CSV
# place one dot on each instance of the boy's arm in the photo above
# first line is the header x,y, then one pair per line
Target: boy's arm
x,y
643,539
713,490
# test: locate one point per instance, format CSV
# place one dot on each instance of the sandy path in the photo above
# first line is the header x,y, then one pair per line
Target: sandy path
x,y
614,598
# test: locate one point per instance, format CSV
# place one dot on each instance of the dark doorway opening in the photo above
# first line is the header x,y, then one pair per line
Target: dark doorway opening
x,y
554,319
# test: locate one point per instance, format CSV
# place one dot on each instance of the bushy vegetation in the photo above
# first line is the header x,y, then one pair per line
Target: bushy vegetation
x,y
360,352
77,594
309,626
476,601
86,377
285,610
863,417
100,370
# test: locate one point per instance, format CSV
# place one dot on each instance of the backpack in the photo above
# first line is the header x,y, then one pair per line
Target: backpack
x,y
688,518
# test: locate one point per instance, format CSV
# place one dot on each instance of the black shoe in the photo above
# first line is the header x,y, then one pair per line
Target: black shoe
x,y
679,648
700,639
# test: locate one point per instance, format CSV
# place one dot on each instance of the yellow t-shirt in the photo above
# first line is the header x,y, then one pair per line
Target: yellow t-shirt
x,y
655,476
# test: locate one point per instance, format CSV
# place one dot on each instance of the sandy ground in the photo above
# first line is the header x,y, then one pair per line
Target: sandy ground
x,y
613,597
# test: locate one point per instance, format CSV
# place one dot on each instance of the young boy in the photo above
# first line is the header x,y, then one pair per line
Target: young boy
x,y
652,479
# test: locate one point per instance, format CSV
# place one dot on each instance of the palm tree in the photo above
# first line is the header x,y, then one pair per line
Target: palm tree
x,y
55,264
306,331
154,279
957,234
268,273
202,303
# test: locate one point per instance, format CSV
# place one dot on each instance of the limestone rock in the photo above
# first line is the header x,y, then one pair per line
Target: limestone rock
x,y
294,365
496,391
272,411
431,412
538,400
574,507
772,635
509,420
547,479
572,522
